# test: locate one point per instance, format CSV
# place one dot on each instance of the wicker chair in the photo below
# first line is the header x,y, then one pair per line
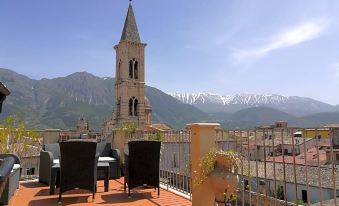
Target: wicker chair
x,y
9,182
49,153
104,149
142,164
78,166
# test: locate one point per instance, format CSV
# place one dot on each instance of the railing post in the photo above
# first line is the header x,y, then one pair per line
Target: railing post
x,y
202,141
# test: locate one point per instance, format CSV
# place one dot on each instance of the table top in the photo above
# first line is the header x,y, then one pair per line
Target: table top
x,y
101,159
100,164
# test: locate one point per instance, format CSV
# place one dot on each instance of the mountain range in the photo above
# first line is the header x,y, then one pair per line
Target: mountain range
x,y
59,102
294,105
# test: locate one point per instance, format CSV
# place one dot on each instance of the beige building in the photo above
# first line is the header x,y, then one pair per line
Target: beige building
x,y
131,105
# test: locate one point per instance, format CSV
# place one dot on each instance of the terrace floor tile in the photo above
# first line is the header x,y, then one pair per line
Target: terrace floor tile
x,y
34,193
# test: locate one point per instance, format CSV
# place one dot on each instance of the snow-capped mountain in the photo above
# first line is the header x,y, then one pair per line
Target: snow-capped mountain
x,y
246,99
295,105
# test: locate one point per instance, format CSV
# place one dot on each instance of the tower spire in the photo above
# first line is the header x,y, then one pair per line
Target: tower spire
x,y
130,31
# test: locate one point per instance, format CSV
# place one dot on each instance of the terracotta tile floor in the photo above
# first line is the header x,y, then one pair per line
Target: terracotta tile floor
x,y
34,193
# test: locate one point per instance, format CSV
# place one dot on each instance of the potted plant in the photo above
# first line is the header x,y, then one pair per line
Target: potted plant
x,y
220,168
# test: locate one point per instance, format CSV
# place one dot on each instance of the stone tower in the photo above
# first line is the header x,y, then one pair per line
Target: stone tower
x,y
131,105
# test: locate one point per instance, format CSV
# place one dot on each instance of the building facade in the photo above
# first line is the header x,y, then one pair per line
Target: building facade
x,y
131,105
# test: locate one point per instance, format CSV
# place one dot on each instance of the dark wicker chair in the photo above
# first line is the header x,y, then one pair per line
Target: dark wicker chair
x,y
12,179
105,150
49,153
6,166
78,166
142,165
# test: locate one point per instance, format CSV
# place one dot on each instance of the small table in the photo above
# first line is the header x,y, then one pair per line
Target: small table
x,y
55,174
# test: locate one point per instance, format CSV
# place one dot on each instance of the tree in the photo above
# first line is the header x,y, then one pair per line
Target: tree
x,y
129,128
17,139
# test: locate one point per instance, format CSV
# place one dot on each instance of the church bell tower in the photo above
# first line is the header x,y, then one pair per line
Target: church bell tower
x,y
131,105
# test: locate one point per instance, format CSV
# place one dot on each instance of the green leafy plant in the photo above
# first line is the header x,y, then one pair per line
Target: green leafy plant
x,y
300,203
130,128
17,139
207,164
157,136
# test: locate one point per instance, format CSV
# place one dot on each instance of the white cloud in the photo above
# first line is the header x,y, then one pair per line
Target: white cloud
x,y
289,37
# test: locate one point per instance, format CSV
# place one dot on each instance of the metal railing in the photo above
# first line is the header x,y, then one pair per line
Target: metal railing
x,y
280,168
175,162
277,168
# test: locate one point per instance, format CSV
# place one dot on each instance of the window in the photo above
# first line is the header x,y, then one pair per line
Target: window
x,y
130,107
118,107
30,171
285,151
119,70
246,186
135,70
280,192
130,69
133,107
304,195
262,182
136,107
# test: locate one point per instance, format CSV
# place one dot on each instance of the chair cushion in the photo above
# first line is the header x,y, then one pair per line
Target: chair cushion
x,y
15,167
107,159
101,159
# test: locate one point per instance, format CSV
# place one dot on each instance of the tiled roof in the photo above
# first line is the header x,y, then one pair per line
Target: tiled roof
x,y
130,32
311,158
312,173
163,127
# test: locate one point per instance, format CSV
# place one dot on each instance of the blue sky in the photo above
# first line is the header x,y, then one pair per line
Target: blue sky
x,y
222,46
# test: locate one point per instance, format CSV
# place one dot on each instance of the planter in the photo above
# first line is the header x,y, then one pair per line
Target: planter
x,y
224,179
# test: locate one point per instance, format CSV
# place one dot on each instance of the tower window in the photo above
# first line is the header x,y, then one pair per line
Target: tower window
x,y
136,107
130,107
118,107
130,69
136,70
133,107
119,70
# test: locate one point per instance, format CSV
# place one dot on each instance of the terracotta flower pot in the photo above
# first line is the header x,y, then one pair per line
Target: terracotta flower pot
x,y
224,178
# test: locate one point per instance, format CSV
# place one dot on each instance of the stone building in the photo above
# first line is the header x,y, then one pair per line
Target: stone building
x,y
131,105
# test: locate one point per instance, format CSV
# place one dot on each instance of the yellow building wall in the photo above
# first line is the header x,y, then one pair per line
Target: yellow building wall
x,y
313,132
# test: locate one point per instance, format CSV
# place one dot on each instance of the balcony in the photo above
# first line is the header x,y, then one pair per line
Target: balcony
x,y
277,169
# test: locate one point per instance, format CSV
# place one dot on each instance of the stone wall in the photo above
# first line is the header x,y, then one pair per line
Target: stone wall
x,y
260,200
